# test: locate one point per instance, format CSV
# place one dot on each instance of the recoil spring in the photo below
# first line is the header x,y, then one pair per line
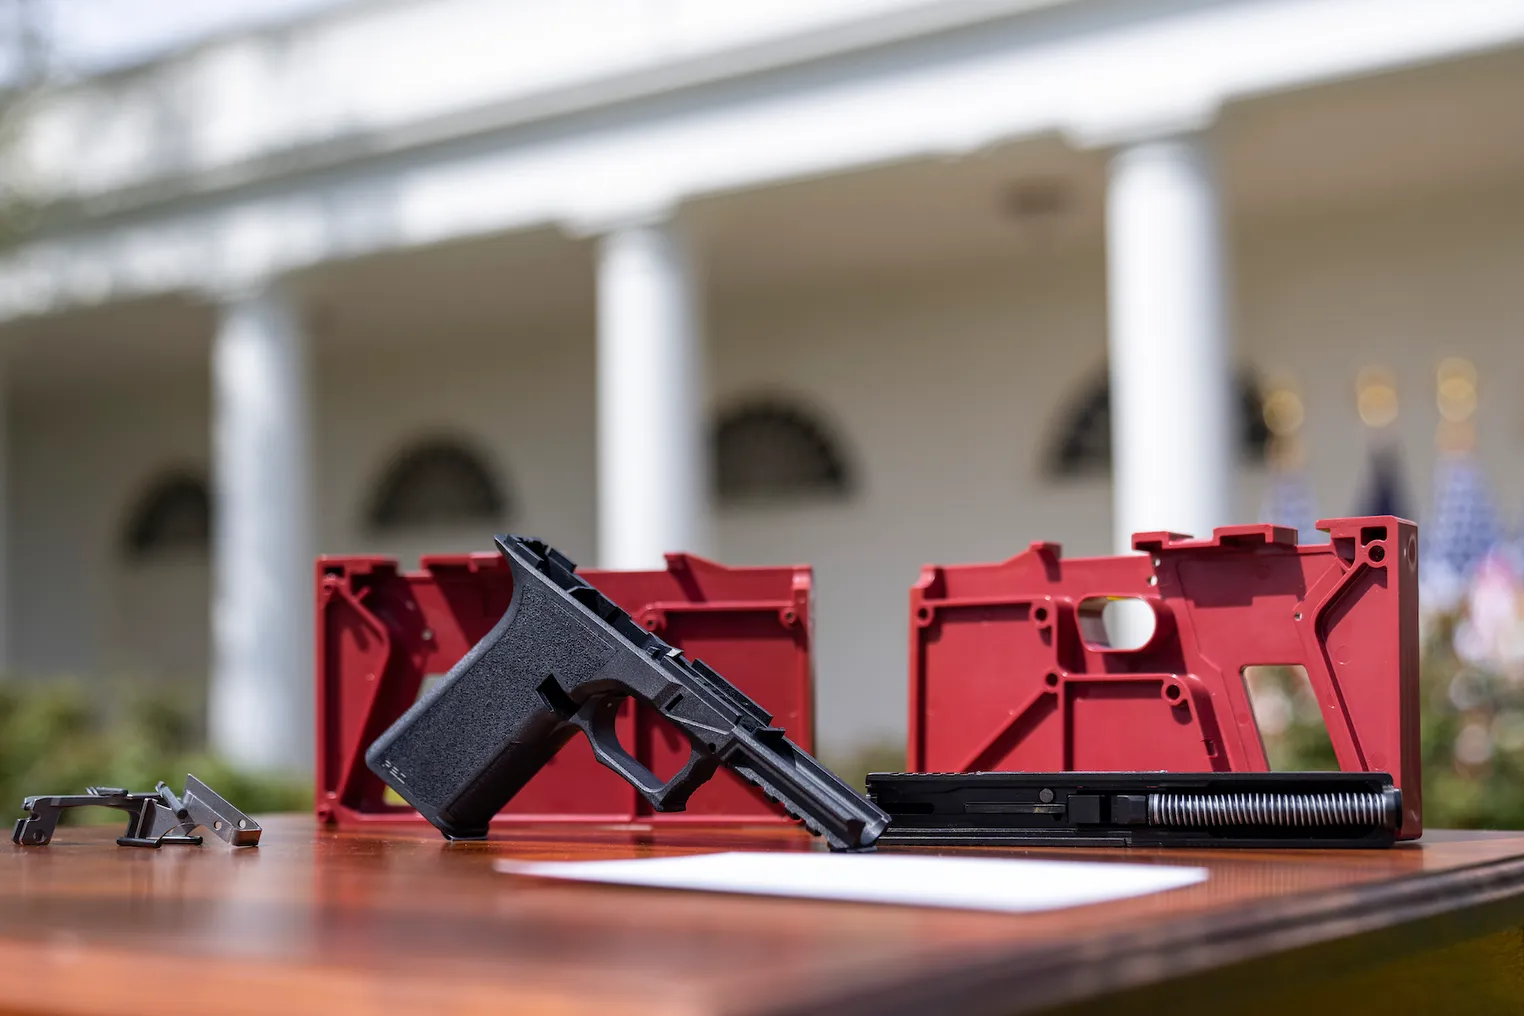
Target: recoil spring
x,y
1198,811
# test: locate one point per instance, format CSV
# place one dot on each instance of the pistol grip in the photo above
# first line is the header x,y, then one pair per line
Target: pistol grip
x,y
596,717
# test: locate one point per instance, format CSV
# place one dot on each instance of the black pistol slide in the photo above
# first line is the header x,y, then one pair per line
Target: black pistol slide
x,y
1334,809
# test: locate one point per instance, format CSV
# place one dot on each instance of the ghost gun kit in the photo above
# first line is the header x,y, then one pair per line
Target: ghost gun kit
x,y
154,819
565,658
384,630
1140,809
1013,668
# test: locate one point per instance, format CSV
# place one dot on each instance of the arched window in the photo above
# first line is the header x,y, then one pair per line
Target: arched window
x,y
173,517
773,450
434,484
1082,444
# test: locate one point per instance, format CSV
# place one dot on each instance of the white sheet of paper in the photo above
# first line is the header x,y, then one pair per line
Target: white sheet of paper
x,y
1013,885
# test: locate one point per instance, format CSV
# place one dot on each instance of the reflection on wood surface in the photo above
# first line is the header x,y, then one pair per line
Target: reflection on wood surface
x,y
394,918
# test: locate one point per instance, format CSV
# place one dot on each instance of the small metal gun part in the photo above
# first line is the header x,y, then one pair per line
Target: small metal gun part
x,y
154,819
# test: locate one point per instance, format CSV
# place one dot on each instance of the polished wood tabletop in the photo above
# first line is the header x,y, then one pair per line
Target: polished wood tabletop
x,y
394,919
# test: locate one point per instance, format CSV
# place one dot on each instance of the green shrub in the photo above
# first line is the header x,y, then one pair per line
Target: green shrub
x,y
1473,740
58,737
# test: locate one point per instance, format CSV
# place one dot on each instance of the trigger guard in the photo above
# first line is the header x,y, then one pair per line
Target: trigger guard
x,y
694,774
596,719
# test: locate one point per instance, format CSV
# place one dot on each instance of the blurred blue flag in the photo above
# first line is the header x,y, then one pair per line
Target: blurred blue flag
x,y
1289,501
1461,531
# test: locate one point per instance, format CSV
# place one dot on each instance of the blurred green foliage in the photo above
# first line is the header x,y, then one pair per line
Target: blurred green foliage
x,y
58,737
1473,739
1290,722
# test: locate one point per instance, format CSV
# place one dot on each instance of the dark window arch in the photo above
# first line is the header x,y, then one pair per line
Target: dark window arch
x,y
1082,444
439,482
775,450
173,517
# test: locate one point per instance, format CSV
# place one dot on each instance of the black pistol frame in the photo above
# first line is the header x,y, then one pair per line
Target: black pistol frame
x,y
562,659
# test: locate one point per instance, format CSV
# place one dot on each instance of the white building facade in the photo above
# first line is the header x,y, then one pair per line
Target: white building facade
x,y
559,255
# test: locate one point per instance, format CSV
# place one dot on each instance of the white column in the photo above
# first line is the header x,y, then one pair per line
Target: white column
x,y
653,468
261,711
1173,425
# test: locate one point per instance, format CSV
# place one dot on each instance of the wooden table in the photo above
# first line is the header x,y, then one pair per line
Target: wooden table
x,y
395,919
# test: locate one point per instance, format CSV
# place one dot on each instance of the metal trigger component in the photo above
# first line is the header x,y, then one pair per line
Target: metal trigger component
x,y
153,819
